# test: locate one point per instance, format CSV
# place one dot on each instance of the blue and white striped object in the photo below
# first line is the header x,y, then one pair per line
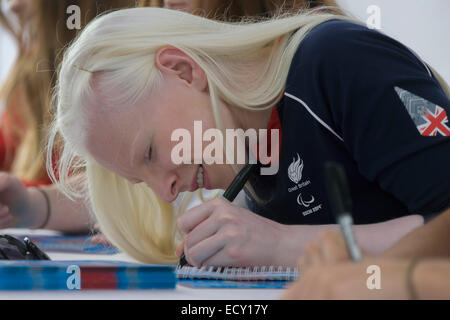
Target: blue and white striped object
x,y
84,275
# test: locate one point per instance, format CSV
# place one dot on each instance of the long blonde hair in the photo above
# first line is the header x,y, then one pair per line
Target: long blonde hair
x,y
119,49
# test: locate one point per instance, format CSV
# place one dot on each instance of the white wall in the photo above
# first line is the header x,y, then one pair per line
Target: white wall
x,y
422,25
7,47
7,53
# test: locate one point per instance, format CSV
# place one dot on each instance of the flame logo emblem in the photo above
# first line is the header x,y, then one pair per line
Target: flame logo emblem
x,y
295,170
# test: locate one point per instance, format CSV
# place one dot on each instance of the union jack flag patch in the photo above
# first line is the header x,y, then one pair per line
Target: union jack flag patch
x,y
430,119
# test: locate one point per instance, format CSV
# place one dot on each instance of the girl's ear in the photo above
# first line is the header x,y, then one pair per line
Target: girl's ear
x,y
172,61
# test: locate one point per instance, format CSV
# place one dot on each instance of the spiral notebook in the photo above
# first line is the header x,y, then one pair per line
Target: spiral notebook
x,y
232,277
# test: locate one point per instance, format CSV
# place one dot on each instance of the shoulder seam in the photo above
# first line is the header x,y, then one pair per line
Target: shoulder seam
x,y
315,116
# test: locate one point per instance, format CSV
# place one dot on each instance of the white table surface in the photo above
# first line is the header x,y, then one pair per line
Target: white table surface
x,y
180,293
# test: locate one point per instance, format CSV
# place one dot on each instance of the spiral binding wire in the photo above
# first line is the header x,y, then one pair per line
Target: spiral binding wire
x,y
257,273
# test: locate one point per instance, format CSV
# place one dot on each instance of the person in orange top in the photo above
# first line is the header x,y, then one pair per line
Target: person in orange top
x,y
27,197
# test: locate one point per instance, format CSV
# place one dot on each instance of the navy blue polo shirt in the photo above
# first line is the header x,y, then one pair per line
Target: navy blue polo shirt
x,y
360,98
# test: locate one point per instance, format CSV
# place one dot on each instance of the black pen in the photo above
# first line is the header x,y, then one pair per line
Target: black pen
x,y
230,194
34,250
341,204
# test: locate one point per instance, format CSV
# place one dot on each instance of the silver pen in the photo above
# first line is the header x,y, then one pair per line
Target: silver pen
x,y
341,205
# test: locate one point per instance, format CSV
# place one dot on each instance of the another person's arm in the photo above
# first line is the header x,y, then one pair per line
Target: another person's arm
x,y
398,279
22,207
432,240
66,215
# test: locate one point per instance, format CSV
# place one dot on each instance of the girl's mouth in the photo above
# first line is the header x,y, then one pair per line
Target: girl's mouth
x,y
200,178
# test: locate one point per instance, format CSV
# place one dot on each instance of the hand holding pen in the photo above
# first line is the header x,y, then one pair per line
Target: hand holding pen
x,y
341,205
230,194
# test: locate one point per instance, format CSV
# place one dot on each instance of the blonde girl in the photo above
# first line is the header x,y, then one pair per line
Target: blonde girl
x,y
342,92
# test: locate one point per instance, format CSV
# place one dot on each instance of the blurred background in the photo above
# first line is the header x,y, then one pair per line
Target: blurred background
x,y
423,25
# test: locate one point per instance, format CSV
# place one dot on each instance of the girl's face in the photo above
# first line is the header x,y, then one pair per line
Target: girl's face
x,y
23,9
135,142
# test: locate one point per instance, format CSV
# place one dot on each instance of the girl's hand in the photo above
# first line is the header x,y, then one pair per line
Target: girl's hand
x,y
99,237
20,207
219,233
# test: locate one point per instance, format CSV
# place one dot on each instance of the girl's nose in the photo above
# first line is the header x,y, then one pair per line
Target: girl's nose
x,y
167,190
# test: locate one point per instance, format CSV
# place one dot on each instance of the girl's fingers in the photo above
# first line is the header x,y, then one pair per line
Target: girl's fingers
x,y
193,217
180,249
204,252
100,239
206,229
